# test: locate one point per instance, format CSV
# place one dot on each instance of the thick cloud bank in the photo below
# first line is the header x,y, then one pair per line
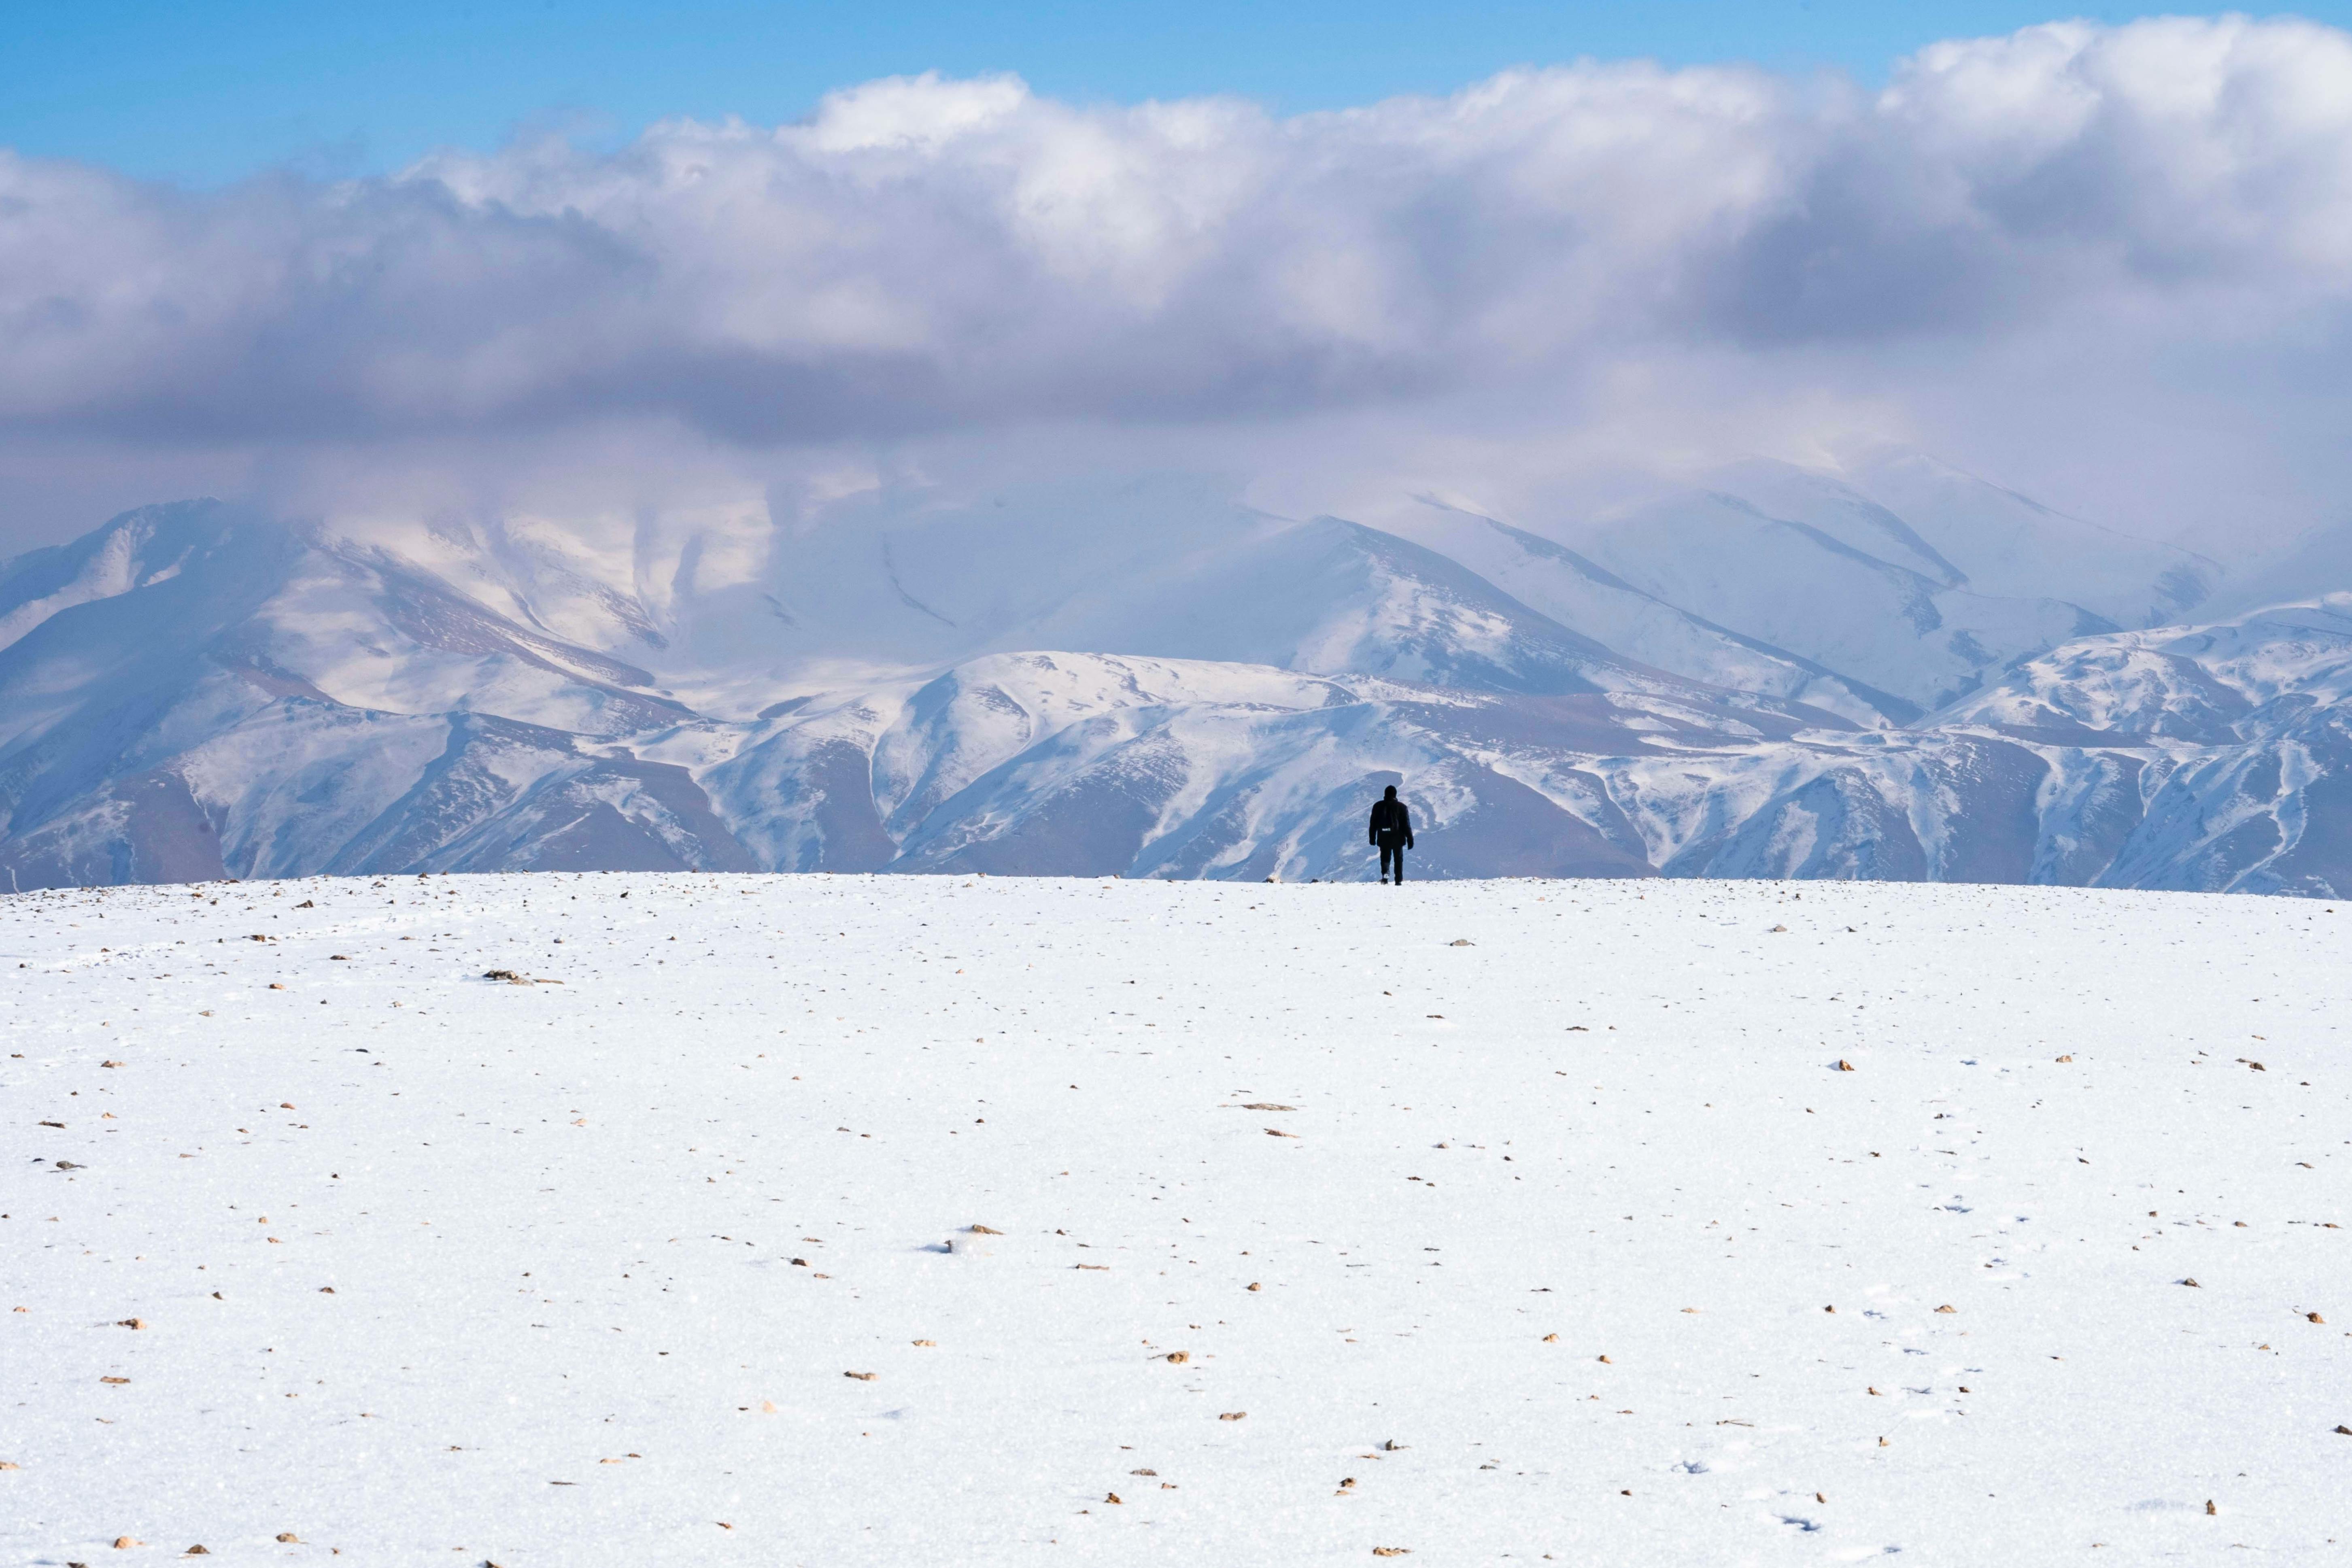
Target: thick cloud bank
x,y
2071,217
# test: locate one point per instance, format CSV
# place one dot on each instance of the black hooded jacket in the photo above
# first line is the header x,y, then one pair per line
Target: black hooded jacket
x,y
1391,822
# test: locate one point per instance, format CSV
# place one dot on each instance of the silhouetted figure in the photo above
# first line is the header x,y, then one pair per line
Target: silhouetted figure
x,y
1393,831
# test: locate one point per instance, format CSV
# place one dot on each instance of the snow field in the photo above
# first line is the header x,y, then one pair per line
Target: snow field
x,y
1544,1234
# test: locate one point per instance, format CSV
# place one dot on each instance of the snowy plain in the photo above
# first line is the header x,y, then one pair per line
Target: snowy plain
x,y
1512,1220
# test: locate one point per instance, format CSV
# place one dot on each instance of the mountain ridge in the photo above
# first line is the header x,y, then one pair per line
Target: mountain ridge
x,y
1696,686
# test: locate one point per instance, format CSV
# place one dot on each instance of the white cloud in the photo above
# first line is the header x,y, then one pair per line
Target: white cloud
x,y
2146,226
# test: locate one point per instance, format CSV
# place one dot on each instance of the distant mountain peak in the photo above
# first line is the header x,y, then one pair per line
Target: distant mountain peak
x,y
1895,669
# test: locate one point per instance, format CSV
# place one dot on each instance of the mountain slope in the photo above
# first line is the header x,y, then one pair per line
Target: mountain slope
x,y
191,691
1576,590
1881,594
212,691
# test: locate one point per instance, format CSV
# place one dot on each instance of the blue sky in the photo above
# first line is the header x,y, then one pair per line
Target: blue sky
x,y
210,92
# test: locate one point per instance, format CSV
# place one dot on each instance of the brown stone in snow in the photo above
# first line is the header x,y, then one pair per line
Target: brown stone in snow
x,y
2314,1317
132,1323
1947,1308
1844,1064
1178,1358
1233,1414
862,1377
983,1230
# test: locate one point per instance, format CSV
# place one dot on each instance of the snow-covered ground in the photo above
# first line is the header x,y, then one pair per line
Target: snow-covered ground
x,y
1525,1220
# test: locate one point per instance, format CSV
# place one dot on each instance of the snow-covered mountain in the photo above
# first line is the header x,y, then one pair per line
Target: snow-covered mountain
x,y
1814,587
1897,671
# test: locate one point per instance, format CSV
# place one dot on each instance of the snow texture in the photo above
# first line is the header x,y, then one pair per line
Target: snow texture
x,y
862,1220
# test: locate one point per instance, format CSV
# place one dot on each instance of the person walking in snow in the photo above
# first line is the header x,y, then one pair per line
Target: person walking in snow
x,y
1391,830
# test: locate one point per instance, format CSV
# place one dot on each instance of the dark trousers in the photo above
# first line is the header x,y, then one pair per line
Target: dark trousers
x,y
1393,852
